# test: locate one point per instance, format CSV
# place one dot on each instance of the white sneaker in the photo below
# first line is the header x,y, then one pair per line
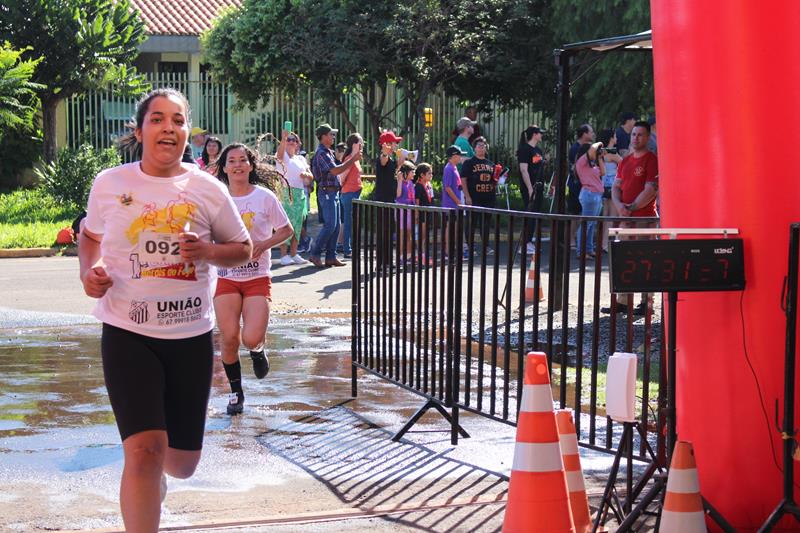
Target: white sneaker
x,y
531,248
297,260
286,260
163,487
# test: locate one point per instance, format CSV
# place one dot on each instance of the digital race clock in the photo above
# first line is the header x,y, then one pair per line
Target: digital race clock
x,y
677,265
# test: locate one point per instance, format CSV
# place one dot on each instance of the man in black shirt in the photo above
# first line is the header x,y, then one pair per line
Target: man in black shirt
x,y
478,173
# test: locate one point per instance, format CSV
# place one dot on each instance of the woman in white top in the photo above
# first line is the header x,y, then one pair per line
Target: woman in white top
x,y
244,291
153,228
298,174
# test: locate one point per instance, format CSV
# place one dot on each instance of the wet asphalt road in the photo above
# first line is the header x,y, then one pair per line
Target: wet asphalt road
x,y
303,447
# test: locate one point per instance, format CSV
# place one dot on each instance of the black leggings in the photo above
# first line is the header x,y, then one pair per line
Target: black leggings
x,y
158,384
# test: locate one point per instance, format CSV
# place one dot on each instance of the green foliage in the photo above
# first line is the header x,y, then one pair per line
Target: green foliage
x,y
25,206
344,47
619,81
83,45
21,148
31,235
70,176
16,90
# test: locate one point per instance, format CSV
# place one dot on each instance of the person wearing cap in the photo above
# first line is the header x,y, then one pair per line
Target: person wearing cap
x,y
590,168
326,173
386,166
451,179
531,168
465,127
199,136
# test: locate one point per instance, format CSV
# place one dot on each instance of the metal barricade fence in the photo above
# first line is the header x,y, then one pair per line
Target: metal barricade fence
x,y
446,304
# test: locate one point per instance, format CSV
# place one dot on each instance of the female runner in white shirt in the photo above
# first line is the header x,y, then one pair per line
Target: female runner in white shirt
x,y
244,291
152,230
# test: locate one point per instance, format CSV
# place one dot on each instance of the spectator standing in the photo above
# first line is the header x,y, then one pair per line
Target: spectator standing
x,y
210,154
611,158
451,179
423,194
298,175
405,195
531,168
198,144
590,168
351,190
479,174
326,174
636,188
465,127
652,144
386,167
626,122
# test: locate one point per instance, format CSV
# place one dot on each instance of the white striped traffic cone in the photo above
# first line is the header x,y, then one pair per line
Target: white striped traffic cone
x,y
529,283
578,500
538,500
683,505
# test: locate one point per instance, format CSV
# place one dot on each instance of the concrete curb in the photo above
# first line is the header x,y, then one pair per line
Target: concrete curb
x,y
28,252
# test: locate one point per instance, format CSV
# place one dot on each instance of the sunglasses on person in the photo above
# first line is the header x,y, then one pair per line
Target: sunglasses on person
x,y
291,139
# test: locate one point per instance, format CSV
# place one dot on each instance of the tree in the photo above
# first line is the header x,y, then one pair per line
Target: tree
x,y
83,44
311,44
619,81
17,95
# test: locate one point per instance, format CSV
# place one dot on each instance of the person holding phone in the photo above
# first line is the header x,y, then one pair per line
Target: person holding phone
x,y
297,172
351,190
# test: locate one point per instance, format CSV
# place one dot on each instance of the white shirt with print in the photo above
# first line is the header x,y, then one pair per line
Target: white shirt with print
x,y
140,218
262,213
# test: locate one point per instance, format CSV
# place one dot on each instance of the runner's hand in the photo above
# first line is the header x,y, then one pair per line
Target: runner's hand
x,y
259,247
192,248
96,282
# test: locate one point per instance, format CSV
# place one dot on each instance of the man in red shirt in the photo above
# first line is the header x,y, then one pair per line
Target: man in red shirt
x,y
635,190
636,186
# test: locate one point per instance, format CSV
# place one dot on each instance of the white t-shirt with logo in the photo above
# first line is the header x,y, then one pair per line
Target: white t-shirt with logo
x,y
262,213
140,218
294,166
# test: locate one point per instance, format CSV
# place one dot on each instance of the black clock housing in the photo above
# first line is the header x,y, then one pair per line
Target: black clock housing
x,y
677,265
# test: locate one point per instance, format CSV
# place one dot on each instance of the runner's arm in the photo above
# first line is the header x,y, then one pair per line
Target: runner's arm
x,y
94,277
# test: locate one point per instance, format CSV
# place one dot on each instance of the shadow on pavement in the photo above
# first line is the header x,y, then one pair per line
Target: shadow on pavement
x,y
361,466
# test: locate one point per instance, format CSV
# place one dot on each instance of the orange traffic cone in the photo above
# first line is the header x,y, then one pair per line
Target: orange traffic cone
x,y
578,500
538,500
529,283
683,505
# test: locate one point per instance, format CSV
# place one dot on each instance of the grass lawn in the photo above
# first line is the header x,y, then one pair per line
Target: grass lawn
x,y
31,219
586,377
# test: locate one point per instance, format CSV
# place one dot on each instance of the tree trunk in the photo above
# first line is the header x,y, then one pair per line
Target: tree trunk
x,y
49,106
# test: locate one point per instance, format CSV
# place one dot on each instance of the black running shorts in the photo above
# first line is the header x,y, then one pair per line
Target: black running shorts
x,y
158,384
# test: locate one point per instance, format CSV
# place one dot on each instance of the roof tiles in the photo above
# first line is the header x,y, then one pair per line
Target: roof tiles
x,y
180,17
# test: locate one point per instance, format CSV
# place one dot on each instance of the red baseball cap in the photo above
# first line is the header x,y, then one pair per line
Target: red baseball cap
x,y
389,137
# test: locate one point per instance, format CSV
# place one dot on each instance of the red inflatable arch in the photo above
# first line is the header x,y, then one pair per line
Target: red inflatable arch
x,y
727,82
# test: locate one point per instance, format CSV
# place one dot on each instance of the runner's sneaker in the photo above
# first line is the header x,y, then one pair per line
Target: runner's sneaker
x,y
286,260
163,486
305,244
260,363
297,260
235,403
